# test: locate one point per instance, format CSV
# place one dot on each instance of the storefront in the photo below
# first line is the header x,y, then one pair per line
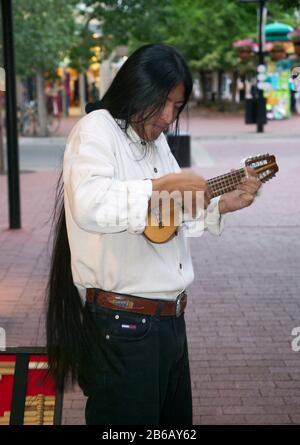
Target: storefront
x,y
278,86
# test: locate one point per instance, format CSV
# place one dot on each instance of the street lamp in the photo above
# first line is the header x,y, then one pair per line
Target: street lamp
x,y
11,117
262,12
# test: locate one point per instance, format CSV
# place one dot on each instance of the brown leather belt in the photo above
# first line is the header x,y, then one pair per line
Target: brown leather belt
x,y
130,303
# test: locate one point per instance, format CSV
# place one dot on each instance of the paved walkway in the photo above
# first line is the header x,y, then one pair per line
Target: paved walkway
x,y
243,303
205,123
209,124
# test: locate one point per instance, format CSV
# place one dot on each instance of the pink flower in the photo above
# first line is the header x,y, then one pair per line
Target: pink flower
x,y
295,35
246,43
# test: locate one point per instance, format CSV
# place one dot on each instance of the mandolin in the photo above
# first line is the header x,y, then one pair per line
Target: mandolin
x,y
161,226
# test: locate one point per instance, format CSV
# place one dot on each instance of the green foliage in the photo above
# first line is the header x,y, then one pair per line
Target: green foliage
x,y
210,31
203,30
81,52
282,11
44,32
291,4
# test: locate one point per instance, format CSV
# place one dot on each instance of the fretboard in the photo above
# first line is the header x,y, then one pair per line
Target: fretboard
x,y
226,183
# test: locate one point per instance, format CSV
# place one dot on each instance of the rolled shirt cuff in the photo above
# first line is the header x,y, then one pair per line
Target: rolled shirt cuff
x,y
138,194
214,221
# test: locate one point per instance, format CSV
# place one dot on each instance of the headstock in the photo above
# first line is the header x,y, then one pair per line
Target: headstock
x,y
265,166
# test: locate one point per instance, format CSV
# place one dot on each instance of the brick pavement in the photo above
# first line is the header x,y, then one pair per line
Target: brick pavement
x,y
206,123
24,266
243,303
211,124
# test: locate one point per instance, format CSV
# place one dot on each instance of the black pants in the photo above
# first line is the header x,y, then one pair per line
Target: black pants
x,y
144,377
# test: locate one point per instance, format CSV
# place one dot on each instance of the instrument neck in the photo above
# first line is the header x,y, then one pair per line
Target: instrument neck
x,y
226,183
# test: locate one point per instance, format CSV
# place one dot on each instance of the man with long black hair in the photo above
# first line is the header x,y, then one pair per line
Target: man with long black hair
x,y
116,301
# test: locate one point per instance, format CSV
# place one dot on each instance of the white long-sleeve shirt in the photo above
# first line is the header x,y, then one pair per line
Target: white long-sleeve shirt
x,y
106,191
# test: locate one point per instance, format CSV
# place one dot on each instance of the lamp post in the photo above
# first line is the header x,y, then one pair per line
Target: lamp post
x,y
11,117
260,115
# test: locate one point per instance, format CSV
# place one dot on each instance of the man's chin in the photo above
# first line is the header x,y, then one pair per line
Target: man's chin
x,y
155,134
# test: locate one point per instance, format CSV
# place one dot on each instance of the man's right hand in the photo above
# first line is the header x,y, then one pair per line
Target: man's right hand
x,y
184,181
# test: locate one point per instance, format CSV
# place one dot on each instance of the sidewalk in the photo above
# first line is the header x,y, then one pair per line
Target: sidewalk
x,y
24,268
208,124
243,303
203,123
66,126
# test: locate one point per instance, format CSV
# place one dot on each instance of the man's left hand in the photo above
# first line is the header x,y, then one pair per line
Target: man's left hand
x,y
243,195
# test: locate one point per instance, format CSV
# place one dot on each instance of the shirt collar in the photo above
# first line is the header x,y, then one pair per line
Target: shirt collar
x,y
135,138
132,134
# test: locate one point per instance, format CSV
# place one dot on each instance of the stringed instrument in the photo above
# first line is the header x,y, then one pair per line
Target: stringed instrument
x,y
161,226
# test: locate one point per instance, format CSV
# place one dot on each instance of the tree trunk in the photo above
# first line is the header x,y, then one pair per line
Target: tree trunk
x,y
220,74
234,86
203,85
82,95
214,86
19,92
41,104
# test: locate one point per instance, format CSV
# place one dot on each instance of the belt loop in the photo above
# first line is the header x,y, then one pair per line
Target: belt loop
x,y
160,305
94,304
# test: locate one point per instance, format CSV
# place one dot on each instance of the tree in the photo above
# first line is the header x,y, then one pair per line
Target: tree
x,y
291,4
44,33
202,30
80,57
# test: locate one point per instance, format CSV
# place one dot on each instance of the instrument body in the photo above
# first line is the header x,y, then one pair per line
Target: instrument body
x,y
162,220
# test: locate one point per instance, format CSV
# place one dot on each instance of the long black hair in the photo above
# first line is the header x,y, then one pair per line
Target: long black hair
x,y
142,85
140,88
